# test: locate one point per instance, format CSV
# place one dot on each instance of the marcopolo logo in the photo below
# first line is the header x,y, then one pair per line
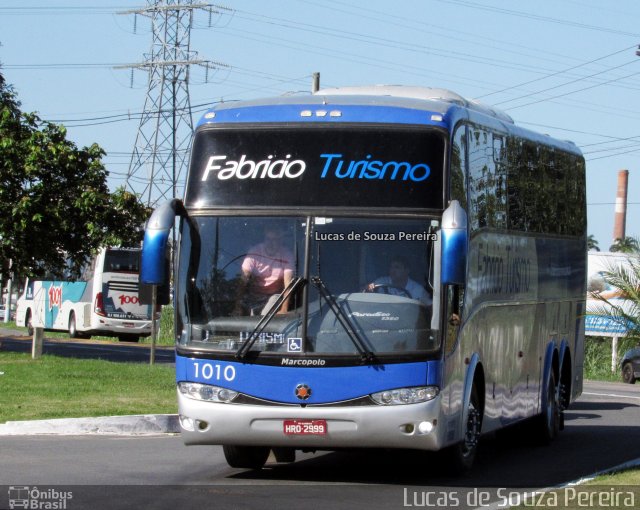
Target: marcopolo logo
x,y
333,165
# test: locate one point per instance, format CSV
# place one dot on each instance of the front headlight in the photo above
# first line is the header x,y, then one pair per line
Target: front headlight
x,y
402,396
206,392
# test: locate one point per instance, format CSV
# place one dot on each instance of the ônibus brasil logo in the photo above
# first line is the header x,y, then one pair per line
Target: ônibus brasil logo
x,y
334,165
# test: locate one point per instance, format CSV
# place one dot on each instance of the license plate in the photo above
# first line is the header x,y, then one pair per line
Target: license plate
x,y
305,427
128,324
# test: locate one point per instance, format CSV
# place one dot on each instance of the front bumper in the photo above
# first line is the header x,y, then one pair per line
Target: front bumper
x,y
121,326
376,426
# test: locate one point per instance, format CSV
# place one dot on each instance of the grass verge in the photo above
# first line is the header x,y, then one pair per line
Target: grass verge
x,y
56,387
597,358
618,490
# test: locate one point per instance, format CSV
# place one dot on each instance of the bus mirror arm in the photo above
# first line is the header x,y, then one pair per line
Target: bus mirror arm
x,y
454,244
156,236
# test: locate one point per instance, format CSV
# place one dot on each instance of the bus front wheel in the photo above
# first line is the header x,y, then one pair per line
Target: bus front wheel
x,y
246,457
462,455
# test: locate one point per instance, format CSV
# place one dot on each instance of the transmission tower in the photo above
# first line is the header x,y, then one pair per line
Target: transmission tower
x,y
162,145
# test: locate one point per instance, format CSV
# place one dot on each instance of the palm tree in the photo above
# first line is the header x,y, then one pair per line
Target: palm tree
x,y
592,243
626,245
624,278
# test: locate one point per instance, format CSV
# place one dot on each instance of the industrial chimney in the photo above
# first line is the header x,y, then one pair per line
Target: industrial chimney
x,y
619,225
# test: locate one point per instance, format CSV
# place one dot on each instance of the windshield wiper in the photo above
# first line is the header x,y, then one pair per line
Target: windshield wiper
x,y
244,349
343,319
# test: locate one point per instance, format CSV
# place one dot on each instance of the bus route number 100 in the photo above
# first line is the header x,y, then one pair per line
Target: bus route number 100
x,y
209,371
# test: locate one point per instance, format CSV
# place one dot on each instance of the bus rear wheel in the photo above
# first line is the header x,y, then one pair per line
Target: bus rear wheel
x,y
246,457
548,423
73,328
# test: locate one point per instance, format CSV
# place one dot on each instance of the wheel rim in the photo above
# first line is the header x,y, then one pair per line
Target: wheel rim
x,y
627,373
473,431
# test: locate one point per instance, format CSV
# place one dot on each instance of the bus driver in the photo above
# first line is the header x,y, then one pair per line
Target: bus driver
x,y
267,270
398,282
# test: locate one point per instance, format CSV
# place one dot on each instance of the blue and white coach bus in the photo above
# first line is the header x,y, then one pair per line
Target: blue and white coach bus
x,y
388,267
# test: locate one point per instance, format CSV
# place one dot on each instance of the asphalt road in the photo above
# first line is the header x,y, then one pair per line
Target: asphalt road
x,y
96,349
601,431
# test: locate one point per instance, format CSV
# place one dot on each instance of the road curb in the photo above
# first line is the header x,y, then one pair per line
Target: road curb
x,y
136,425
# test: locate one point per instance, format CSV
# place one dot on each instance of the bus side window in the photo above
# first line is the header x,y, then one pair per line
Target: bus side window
x,y
458,184
455,301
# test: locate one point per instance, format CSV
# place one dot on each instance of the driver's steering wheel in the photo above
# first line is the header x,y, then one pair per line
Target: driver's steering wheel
x,y
383,288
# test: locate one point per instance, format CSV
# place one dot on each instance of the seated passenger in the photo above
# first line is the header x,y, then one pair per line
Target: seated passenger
x,y
398,283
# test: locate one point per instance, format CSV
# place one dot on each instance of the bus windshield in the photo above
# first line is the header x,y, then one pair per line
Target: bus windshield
x,y
345,285
121,261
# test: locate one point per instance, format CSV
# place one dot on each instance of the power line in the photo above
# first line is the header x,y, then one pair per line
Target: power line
x,y
572,92
571,82
548,19
563,71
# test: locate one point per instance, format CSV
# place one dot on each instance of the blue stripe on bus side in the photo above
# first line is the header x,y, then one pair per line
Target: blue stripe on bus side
x,y
292,113
277,383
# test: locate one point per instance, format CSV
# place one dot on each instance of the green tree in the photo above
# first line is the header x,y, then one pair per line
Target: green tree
x,y
55,206
624,280
626,245
592,243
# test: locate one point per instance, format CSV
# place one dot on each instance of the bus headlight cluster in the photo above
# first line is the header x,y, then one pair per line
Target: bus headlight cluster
x,y
206,392
401,396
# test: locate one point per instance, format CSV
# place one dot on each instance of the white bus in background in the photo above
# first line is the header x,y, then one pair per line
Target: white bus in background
x,y
105,301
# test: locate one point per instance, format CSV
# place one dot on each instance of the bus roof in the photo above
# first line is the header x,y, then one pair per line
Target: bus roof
x,y
416,98
421,98
376,103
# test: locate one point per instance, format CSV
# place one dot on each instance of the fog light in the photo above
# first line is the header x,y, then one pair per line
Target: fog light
x,y
424,427
187,423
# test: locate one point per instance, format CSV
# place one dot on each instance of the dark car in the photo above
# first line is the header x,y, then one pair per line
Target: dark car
x,y
630,365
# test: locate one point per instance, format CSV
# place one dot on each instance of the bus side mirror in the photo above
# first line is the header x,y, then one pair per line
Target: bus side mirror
x,y
454,244
153,268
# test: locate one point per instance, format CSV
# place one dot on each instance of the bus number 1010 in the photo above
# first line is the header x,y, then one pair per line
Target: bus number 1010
x,y
209,371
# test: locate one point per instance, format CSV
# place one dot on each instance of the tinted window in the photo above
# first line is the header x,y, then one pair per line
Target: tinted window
x,y
121,261
523,185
